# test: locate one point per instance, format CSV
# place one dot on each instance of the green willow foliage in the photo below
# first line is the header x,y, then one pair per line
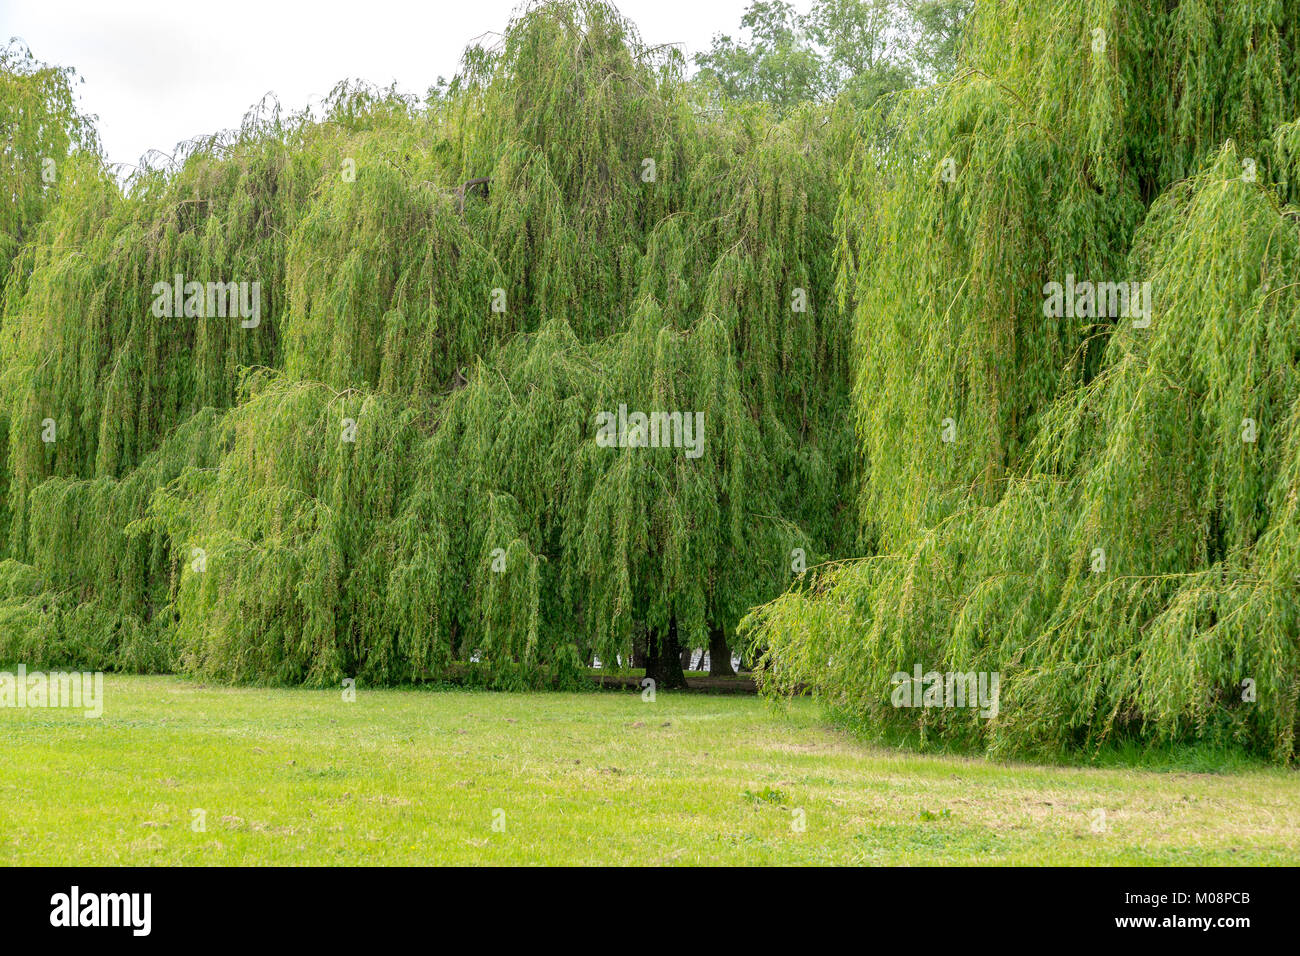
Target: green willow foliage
x,y
1113,527
395,475
42,128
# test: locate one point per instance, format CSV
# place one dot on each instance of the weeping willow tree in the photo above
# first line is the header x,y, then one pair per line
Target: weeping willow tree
x,y
45,141
109,396
399,471
1100,509
42,128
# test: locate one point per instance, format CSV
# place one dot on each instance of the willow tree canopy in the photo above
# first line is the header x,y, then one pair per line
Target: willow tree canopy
x,y
1101,509
395,470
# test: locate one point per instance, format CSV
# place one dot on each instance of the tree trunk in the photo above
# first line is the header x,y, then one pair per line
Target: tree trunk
x,y
687,655
719,654
663,662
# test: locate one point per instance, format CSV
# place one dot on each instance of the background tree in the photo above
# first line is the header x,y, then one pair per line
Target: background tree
x,y
774,63
940,26
864,46
855,49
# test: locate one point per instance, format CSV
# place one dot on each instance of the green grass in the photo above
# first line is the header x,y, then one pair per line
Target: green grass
x,y
292,776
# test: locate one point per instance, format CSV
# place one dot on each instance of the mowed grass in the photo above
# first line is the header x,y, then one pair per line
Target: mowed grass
x,y
419,776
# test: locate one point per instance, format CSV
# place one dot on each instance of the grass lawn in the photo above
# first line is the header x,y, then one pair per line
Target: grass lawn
x,y
414,777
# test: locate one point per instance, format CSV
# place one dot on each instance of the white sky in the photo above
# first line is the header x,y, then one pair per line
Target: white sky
x,y
158,72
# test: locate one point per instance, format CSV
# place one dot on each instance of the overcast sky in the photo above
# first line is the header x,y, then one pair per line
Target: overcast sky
x,y
158,72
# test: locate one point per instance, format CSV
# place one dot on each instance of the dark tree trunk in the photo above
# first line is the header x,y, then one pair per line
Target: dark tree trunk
x,y
687,655
719,654
638,651
663,662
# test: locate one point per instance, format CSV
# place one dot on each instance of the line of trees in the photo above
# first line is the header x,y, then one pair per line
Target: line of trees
x,y
835,242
